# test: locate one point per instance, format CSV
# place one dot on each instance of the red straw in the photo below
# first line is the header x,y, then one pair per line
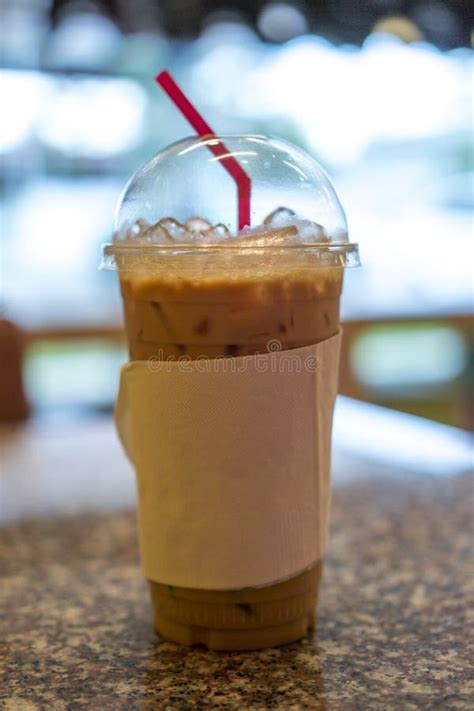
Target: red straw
x,y
233,167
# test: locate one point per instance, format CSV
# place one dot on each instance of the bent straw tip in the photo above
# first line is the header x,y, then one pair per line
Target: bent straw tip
x,y
164,74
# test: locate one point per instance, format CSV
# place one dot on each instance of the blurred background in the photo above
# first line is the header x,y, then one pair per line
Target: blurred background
x,y
380,92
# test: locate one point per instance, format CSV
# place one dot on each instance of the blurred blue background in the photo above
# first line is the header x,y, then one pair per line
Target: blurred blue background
x,y
379,92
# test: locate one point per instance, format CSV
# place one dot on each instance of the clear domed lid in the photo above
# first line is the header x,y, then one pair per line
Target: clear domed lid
x,y
182,197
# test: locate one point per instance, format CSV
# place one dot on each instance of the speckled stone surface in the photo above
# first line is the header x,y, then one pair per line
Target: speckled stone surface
x,y
392,631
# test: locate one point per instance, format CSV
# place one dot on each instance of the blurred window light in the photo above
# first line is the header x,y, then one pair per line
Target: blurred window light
x,y
95,118
412,355
140,51
55,225
219,75
23,27
280,22
414,244
83,40
342,100
399,26
52,230
224,26
451,191
399,439
94,363
24,96
65,8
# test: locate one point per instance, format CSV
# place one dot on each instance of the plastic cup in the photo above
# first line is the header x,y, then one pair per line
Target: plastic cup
x,y
192,291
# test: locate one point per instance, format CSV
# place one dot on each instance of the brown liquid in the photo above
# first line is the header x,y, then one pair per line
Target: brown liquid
x,y
211,313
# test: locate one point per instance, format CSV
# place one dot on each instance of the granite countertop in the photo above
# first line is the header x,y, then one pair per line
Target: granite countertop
x,y
392,630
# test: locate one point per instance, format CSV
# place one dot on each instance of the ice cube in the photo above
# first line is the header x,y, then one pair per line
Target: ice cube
x,y
174,230
204,238
123,232
309,231
220,231
139,226
270,237
280,217
198,224
155,235
305,230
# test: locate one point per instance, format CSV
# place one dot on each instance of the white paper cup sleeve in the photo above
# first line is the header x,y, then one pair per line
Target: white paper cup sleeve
x,y
232,457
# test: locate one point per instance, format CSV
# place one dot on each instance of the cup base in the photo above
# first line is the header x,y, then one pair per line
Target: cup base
x,y
233,639
252,618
